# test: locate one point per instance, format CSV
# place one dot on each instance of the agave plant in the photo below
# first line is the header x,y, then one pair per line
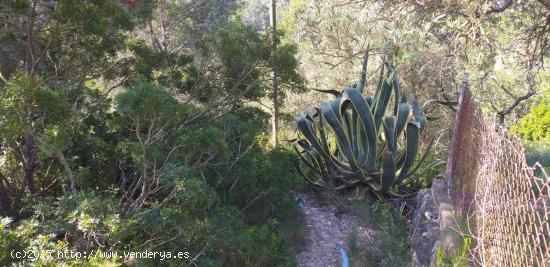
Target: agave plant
x,y
360,144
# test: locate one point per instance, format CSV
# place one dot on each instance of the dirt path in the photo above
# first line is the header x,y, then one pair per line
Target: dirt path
x,y
327,226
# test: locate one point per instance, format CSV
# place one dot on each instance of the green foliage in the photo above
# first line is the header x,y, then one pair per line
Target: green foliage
x,y
71,223
538,151
28,104
161,142
216,183
459,258
147,106
391,247
534,129
80,38
36,121
170,70
535,126
244,56
342,149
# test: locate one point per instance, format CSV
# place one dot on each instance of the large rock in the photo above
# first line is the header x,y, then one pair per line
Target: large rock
x,y
425,228
433,224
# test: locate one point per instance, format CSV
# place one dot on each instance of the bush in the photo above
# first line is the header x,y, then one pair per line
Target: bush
x,y
535,126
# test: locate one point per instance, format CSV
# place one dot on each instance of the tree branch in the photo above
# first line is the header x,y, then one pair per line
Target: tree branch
x,y
500,6
517,100
545,3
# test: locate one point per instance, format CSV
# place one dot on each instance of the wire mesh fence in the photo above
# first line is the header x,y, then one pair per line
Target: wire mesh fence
x,y
507,206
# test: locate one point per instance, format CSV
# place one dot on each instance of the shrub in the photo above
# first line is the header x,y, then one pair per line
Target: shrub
x,y
535,125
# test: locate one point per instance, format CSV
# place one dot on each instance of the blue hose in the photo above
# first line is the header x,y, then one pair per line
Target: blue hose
x,y
343,255
300,202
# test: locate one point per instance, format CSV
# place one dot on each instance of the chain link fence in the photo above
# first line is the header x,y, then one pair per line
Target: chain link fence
x,y
507,208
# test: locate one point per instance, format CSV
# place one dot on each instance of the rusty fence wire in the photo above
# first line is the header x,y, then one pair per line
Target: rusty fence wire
x,y
507,206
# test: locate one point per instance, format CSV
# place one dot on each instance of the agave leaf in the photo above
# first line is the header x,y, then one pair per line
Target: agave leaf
x,y
302,173
348,182
397,92
326,186
381,103
370,100
331,112
403,98
378,85
359,138
361,106
413,143
313,161
359,194
389,132
418,114
395,83
396,195
388,171
401,159
333,161
363,77
428,167
403,114
375,186
346,121
323,136
313,164
422,159
305,126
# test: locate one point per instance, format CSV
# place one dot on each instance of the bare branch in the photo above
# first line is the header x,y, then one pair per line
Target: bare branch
x,y
517,100
500,6
545,3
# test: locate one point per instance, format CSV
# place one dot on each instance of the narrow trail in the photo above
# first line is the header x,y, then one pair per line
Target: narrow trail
x,y
329,225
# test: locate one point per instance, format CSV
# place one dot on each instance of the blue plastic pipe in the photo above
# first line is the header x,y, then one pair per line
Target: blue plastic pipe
x,y
343,255
300,202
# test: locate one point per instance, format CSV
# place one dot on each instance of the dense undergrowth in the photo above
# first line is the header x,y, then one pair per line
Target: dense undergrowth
x,y
218,205
114,139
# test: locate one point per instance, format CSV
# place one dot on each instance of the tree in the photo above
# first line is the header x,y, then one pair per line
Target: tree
x,y
134,125
275,110
50,51
179,25
438,40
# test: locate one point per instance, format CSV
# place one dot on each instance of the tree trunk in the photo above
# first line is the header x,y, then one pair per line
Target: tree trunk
x,y
5,202
69,171
275,109
29,161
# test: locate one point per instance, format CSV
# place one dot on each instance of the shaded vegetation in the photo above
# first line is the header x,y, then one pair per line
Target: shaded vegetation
x,y
392,243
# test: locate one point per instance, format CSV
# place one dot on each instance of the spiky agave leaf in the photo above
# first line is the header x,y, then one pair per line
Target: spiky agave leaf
x,y
340,149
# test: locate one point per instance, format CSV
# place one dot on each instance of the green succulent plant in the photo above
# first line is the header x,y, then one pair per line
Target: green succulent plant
x,y
359,144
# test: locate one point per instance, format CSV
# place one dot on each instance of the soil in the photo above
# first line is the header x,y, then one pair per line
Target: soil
x,y
328,225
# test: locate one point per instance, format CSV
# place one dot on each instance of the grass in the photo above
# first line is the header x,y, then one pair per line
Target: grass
x,y
392,246
538,151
